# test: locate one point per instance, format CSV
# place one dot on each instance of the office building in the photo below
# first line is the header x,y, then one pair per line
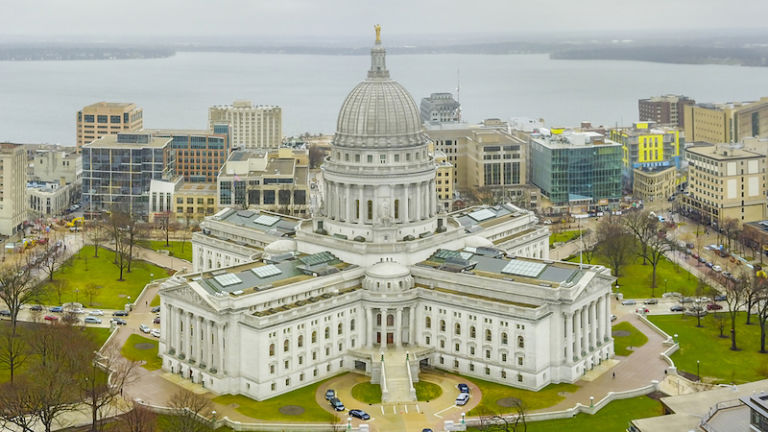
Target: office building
x,y
378,274
440,108
199,154
50,198
726,123
104,118
665,110
13,188
576,171
276,181
118,171
253,126
725,181
444,183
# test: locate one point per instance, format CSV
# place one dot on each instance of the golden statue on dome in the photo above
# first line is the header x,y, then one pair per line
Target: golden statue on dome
x,y
377,27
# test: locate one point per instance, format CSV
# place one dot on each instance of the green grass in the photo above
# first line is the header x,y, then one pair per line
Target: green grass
x,y
613,417
714,354
83,269
155,301
366,392
164,419
492,392
635,278
427,391
149,356
269,409
175,247
635,339
564,236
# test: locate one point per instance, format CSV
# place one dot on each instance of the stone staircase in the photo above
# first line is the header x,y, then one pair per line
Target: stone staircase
x,y
398,383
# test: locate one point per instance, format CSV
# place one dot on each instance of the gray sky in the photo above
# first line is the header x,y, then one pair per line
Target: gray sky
x,y
344,18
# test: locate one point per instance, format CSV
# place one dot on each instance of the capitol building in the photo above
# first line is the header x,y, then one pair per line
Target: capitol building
x,y
381,281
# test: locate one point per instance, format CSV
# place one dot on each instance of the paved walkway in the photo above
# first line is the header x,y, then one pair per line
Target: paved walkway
x,y
398,383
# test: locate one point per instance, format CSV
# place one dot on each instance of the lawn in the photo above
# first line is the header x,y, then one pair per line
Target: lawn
x,y
493,392
563,236
427,391
83,269
270,409
622,341
155,301
178,249
714,354
366,392
613,417
139,348
635,278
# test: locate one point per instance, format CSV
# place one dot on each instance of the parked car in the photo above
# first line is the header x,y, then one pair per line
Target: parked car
x,y
701,259
77,311
51,318
119,321
92,320
643,310
119,313
362,415
96,312
36,308
686,300
613,317
462,399
727,274
330,394
156,320
428,429
144,328
463,388
628,302
155,333
651,301
708,264
56,309
155,309
5,312
677,308
714,306
720,297
717,268
336,404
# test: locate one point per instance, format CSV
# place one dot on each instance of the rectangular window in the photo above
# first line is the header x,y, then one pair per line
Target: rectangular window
x,y
102,119
114,119
88,118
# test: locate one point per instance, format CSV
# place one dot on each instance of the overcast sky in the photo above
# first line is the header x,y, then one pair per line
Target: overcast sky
x,y
303,19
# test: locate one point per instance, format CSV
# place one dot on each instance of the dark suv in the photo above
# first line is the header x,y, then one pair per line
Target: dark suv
x,y
336,404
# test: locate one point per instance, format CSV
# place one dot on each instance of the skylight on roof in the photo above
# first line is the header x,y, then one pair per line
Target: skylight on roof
x,y
266,220
523,268
227,279
482,215
266,271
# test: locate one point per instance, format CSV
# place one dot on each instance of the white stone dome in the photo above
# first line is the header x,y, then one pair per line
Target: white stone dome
x,y
280,247
387,270
477,241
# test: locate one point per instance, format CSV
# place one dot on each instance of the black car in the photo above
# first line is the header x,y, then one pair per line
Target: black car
x,y
5,312
720,297
119,313
362,415
677,308
119,321
463,388
330,394
155,309
36,308
336,404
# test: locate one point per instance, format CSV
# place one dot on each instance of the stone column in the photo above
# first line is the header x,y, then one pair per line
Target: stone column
x,y
406,214
362,206
411,326
167,329
417,213
593,325
607,317
568,337
585,328
348,202
399,327
577,326
220,347
369,327
187,335
432,198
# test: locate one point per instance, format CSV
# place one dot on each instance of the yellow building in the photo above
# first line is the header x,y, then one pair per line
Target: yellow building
x,y
106,118
444,181
726,123
195,201
725,181
645,145
653,185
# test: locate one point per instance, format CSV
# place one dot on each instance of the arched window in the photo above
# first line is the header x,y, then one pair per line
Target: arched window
x,y
327,332
397,209
301,341
457,329
442,325
286,345
340,329
428,322
352,325
487,335
378,319
520,342
503,338
271,349
390,320
314,336
472,332
370,209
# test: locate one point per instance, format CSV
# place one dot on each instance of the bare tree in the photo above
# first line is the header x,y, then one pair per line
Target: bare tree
x,y
97,232
514,422
90,290
51,258
61,286
190,411
101,379
13,350
316,156
652,240
15,407
615,242
139,419
731,228
734,298
133,231
17,288
117,223
761,306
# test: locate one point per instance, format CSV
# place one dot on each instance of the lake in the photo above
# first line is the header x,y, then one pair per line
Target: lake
x,y
39,100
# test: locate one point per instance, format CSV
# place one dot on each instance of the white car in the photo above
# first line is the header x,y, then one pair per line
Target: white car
x,y
144,328
96,312
155,333
717,268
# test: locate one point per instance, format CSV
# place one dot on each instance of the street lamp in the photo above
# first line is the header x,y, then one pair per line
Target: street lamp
x,y
213,418
698,374
674,338
349,423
